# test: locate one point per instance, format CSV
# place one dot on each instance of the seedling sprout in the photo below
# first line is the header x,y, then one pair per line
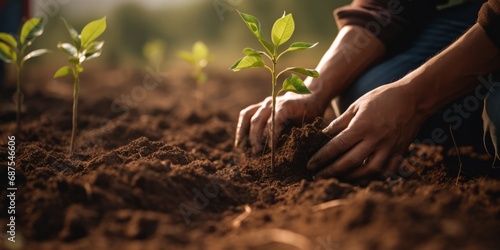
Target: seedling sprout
x,y
282,31
154,51
83,48
199,58
13,50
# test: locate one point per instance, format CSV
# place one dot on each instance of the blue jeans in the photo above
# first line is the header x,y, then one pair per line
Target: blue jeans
x,y
464,115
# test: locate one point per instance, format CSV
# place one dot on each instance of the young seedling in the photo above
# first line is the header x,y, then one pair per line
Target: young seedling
x,y
83,48
13,51
282,31
199,59
154,51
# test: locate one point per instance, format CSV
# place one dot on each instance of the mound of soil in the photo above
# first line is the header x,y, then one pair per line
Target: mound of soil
x,y
164,175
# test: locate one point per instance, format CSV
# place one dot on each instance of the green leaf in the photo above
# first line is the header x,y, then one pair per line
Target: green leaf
x,y
6,53
249,61
200,51
253,24
92,31
35,53
301,46
64,71
186,56
93,48
250,51
294,84
298,46
9,40
76,60
92,55
73,34
283,30
269,47
68,48
31,29
154,51
306,72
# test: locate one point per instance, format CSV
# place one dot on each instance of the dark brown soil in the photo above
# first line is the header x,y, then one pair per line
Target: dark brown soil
x,y
162,173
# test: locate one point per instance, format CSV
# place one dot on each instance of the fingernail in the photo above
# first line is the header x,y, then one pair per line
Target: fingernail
x,y
318,177
311,165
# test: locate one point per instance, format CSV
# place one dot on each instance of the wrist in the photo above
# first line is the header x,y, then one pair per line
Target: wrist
x,y
452,73
318,99
422,99
319,92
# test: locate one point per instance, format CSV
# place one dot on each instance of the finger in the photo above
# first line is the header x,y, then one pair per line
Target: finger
x,y
394,163
333,149
393,166
243,126
351,159
341,142
339,124
282,119
257,125
374,166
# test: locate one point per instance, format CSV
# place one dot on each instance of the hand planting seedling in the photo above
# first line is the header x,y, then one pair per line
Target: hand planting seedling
x,y
282,31
83,48
199,59
12,51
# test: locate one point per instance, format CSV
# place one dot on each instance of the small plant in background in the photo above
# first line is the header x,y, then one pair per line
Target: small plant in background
x,y
282,31
154,51
13,51
199,58
83,48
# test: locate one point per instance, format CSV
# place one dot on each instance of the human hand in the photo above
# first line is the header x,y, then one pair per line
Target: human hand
x,y
369,139
254,122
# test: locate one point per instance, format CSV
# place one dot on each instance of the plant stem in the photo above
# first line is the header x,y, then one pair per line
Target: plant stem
x,y
76,90
273,115
18,98
19,68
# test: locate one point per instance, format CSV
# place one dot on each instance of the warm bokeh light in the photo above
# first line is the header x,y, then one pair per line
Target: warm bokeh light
x,y
134,23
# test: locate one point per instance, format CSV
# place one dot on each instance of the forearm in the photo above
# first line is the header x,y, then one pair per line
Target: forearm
x,y
350,54
452,72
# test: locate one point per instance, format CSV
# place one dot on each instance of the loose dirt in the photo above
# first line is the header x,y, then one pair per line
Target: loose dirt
x,y
160,172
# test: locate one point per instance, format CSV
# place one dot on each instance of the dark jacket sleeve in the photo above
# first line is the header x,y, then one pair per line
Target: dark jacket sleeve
x,y
2,3
389,20
489,19
26,9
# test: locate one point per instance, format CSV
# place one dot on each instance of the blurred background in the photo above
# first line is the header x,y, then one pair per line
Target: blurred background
x,y
165,27
180,23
